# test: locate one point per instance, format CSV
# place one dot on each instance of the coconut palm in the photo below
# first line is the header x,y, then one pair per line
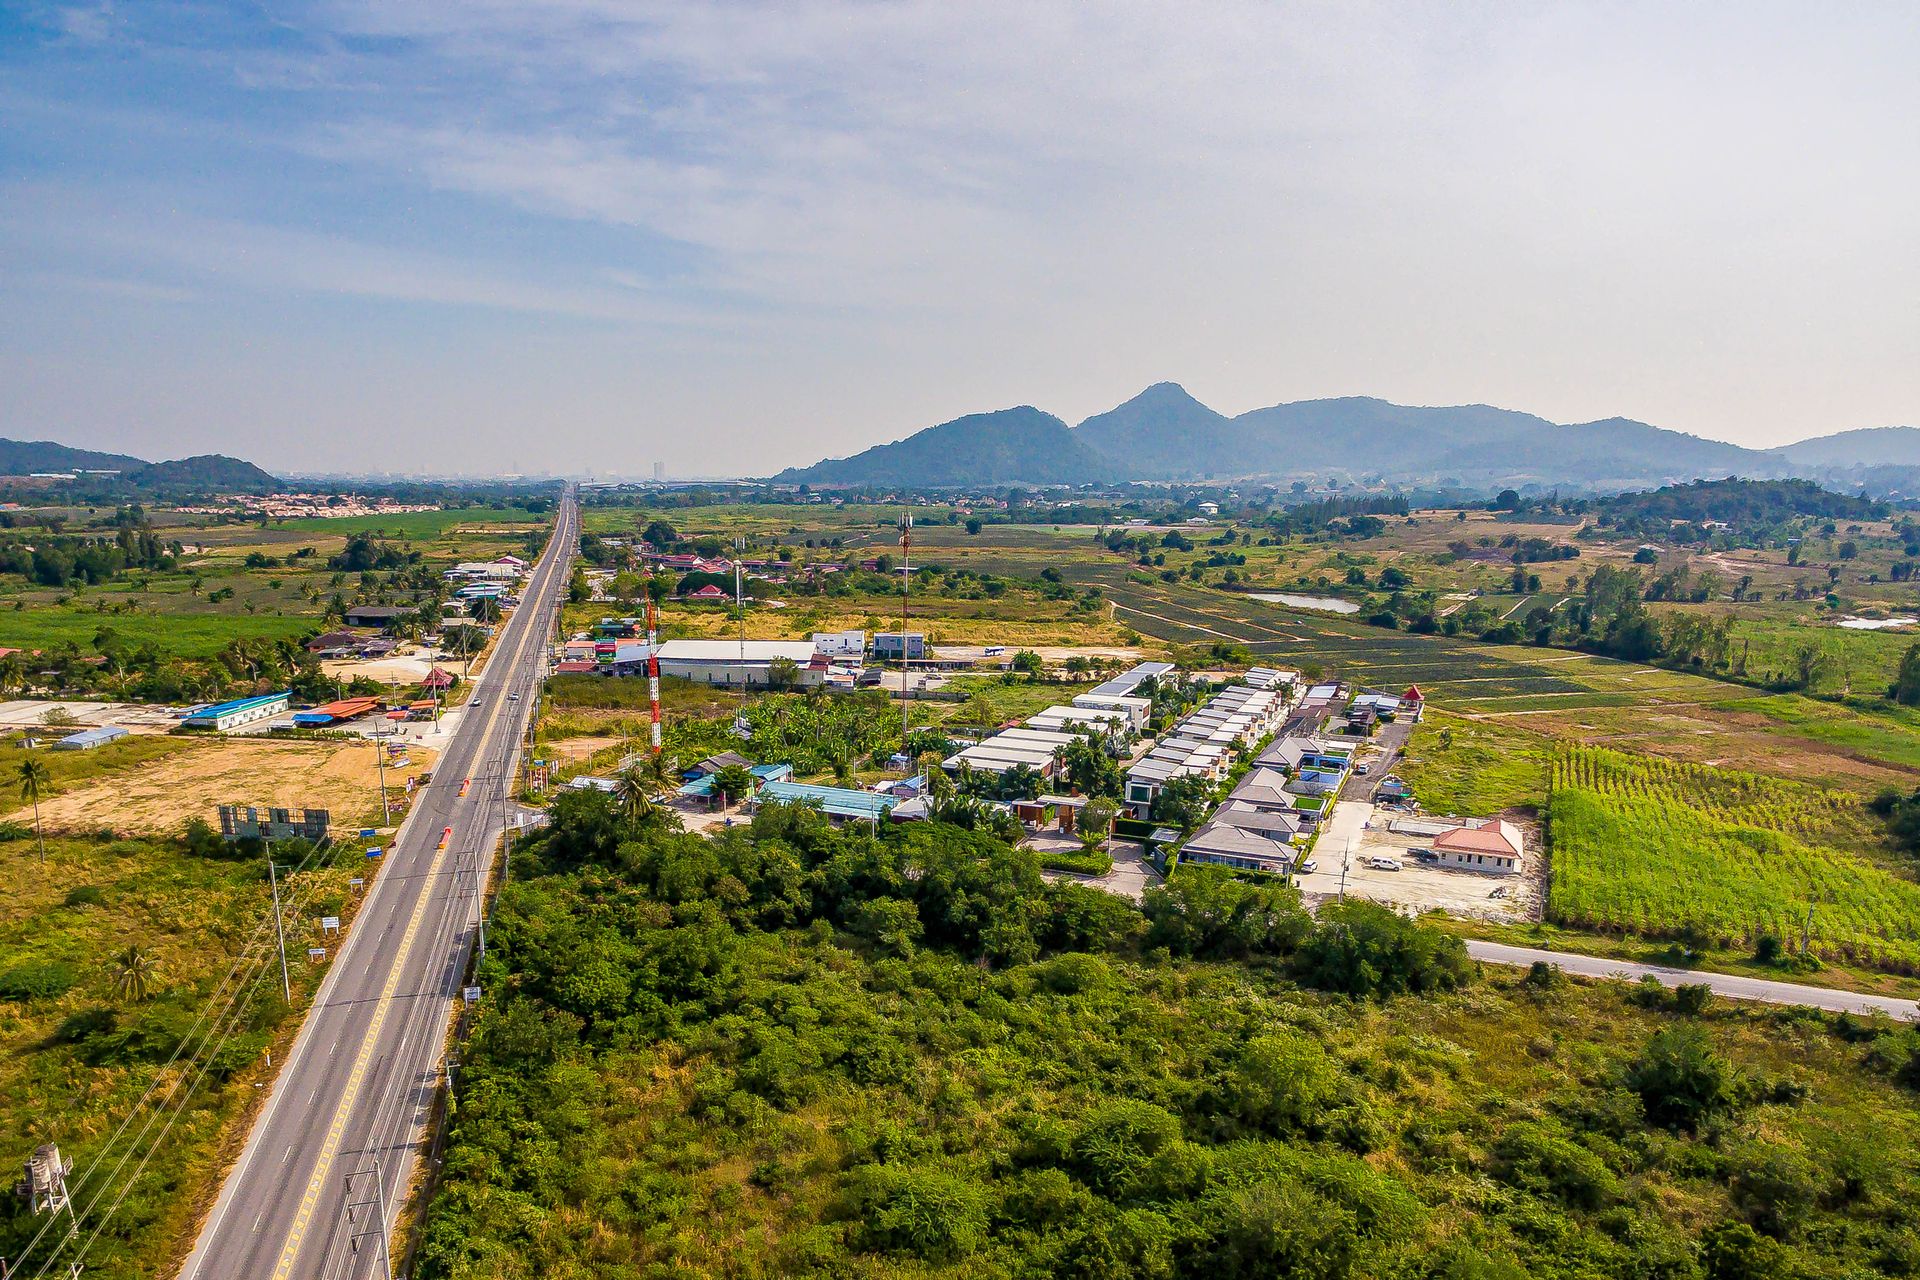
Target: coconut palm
x,y
33,780
133,974
634,791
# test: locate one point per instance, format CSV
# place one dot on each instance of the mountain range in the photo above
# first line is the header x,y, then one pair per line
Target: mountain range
x,y
1164,434
206,471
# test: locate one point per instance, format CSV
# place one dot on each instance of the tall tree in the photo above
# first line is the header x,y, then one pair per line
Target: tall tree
x,y
33,780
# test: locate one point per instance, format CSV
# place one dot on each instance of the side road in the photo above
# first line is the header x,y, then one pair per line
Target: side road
x,y
1732,986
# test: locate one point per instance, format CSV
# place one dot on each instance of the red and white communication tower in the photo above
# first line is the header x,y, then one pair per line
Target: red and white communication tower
x,y
653,678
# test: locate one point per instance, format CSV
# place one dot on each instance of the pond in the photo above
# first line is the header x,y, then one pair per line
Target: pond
x,y
1326,604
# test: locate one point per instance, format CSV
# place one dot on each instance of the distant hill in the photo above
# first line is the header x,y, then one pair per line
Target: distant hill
x,y
1165,434
24,457
1009,446
206,471
1865,447
203,473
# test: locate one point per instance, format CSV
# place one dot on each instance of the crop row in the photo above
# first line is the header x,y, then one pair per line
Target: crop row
x,y
1662,848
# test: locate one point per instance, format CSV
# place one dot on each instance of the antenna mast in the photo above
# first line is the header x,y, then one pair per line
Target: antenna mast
x,y
653,678
906,577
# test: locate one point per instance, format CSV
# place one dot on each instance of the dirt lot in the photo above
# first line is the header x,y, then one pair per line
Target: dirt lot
x,y
1417,886
581,747
162,795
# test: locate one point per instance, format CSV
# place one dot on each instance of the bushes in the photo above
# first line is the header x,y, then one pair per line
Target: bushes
x,y
930,1215
1362,949
1682,1082
37,980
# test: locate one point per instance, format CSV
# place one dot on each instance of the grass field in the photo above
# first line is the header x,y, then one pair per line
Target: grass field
x,y
1477,768
175,635
1658,848
77,1057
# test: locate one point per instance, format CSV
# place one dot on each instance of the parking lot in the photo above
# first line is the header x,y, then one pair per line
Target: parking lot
x,y
1352,836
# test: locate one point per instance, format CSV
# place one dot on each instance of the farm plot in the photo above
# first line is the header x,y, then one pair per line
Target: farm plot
x,y
1661,849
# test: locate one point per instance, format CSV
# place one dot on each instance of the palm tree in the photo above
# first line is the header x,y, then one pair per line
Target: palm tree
x,y
33,780
133,974
635,795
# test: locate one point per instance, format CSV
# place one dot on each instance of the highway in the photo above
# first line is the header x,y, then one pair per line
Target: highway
x,y
331,1155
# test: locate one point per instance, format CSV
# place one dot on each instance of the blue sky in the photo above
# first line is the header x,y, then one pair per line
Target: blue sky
x,y
571,234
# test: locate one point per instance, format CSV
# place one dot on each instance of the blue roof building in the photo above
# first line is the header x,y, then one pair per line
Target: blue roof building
x,y
88,739
835,802
241,711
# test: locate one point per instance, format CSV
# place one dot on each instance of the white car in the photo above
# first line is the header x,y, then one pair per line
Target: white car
x,y
1363,769
1383,864
1308,867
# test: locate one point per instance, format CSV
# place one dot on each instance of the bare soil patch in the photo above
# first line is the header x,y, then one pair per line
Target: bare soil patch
x,y
160,797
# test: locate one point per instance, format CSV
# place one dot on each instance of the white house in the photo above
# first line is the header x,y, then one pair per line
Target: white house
x,y
1493,846
840,644
734,662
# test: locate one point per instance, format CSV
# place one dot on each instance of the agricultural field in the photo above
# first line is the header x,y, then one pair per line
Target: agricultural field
x,y
1665,849
1475,767
82,1040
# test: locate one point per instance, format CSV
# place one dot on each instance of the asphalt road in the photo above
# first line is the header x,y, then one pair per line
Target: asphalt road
x,y
328,1163
1732,986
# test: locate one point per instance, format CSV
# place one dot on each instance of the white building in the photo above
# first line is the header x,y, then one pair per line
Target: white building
x,y
840,644
733,662
1491,845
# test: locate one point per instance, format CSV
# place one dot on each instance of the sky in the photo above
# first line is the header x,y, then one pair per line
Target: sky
x,y
565,236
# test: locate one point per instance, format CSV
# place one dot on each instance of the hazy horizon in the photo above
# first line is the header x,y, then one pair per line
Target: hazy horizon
x,y
586,235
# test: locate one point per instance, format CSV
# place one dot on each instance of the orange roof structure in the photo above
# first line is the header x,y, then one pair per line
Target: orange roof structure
x,y
1499,838
437,679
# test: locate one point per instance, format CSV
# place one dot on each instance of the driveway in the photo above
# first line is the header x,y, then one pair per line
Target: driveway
x,y
1131,877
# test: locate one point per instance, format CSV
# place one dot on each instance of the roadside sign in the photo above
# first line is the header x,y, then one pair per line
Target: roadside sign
x,y
329,924
316,953
375,852
471,995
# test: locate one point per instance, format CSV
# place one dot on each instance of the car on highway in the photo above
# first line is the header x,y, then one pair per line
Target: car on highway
x,y
513,697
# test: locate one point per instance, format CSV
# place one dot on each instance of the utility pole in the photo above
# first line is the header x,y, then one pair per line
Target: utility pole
x,y
906,576
380,760
279,931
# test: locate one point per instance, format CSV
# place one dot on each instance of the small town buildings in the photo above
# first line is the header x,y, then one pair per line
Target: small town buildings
x,y
840,644
734,662
708,594
1490,845
891,646
842,804
1038,749
88,739
336,644
334,712
1135,709
715,763
437,680
1115,724
1127,682
238,713
378,615
1229,846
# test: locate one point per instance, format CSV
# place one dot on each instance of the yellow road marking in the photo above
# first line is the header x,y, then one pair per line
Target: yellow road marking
x,y
336,1132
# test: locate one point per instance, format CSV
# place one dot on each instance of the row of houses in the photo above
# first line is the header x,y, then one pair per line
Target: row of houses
x,y
1285,795
1207,741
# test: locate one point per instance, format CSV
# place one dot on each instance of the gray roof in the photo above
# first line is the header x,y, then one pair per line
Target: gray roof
x,y
1220,839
